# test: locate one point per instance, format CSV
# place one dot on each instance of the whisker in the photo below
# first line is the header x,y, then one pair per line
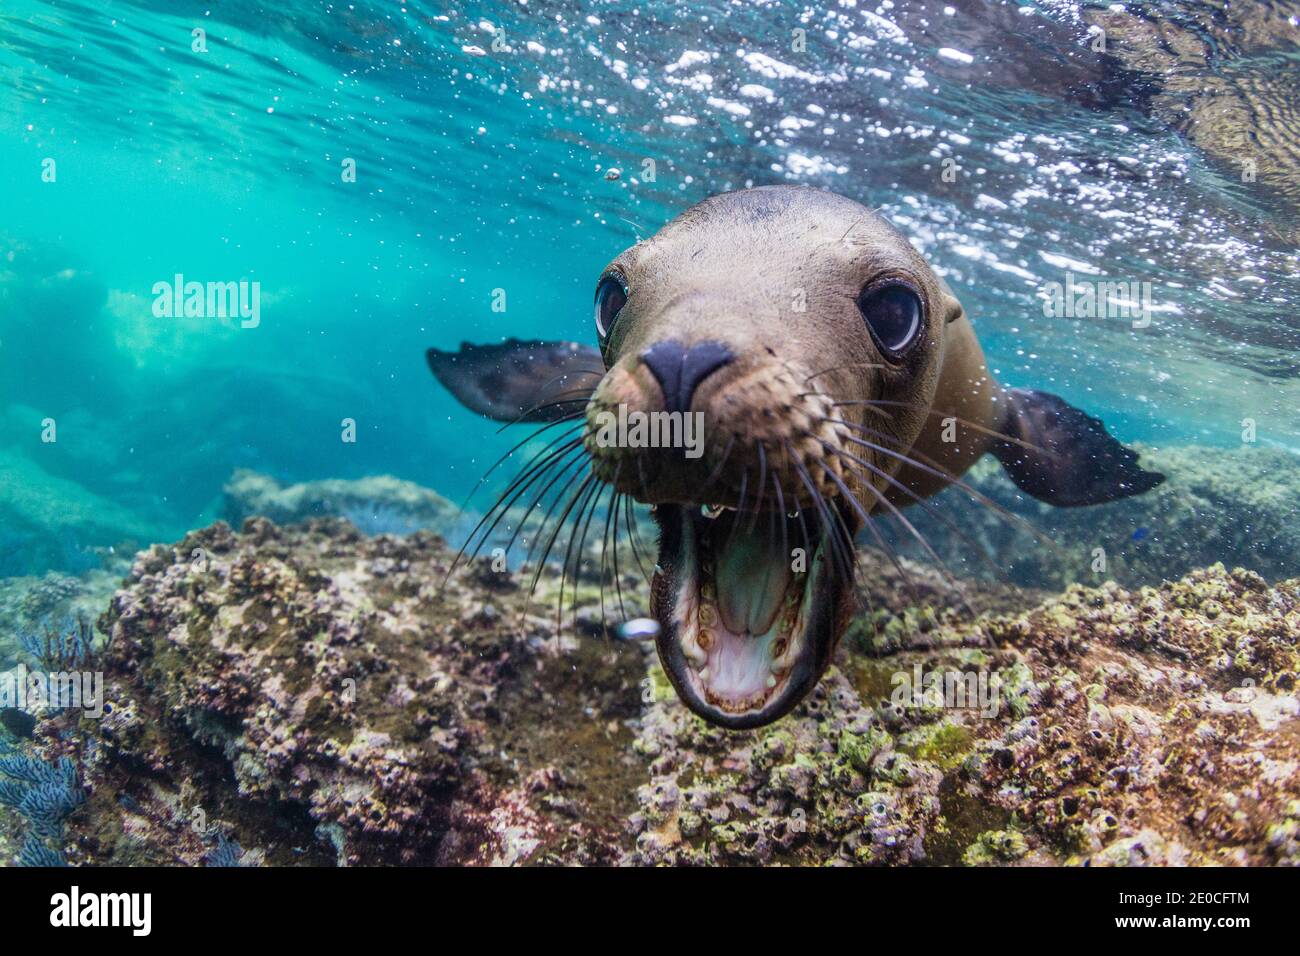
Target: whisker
x,y
577,459
731,443
579,531
781,516
762,485
939,472
871,526
580,397
740,507
574,426
894,482
871,402
629,518
902,519
550,543
611,520
531,472
587,389
930,508
844,570
838,368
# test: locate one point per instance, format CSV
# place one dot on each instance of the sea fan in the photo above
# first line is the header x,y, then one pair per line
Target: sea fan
x,y
43,793
63,647
226,853
37,853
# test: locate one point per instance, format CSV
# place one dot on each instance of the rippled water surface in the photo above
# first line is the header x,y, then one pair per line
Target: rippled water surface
x,y
484,135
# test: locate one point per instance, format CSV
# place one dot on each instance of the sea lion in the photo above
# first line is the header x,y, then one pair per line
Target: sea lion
x,y
837,377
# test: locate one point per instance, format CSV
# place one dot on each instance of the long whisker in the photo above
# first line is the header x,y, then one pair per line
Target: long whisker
x,y
781,517
633,536
717,470
611,523
873,402
588,389
894,482
579,531
871,527
576,413
902,519
576,458
574,426
762,485
839,368
569,480
740,508
933,468
550,543
843,563
531,472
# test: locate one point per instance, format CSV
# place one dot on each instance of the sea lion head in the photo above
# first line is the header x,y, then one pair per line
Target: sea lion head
x,y
761,321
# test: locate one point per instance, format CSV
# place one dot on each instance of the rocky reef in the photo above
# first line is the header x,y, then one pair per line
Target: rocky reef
x,y
380,504
308,695
1214,502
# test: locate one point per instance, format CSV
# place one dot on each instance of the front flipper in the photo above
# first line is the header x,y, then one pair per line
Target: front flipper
x,y
519,381
1064,456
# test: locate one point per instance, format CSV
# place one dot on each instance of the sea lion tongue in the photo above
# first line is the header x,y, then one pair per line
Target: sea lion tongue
x,y
753,572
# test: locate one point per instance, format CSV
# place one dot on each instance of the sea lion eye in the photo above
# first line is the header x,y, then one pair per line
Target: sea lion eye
x,y
611,296
893,314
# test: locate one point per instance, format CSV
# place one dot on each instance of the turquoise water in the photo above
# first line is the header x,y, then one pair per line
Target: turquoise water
x,y
482,168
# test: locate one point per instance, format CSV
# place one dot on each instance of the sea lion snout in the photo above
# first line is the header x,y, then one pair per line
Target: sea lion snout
x,y
707,423
679,370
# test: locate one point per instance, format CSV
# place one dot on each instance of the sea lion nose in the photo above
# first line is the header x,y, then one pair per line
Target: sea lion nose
x,y
680,370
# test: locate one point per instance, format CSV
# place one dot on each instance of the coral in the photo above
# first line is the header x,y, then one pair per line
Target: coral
x,y
825,786
37,853
330,678
995,846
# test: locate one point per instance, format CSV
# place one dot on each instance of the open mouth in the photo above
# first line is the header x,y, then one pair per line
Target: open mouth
x,y
750,609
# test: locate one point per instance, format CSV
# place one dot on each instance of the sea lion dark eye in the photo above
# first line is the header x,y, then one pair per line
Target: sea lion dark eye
x,y
893,314
610,299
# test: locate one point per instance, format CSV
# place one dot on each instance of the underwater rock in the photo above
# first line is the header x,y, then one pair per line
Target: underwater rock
x,y
379,504
1214,502
1102,727
51,522
314,696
